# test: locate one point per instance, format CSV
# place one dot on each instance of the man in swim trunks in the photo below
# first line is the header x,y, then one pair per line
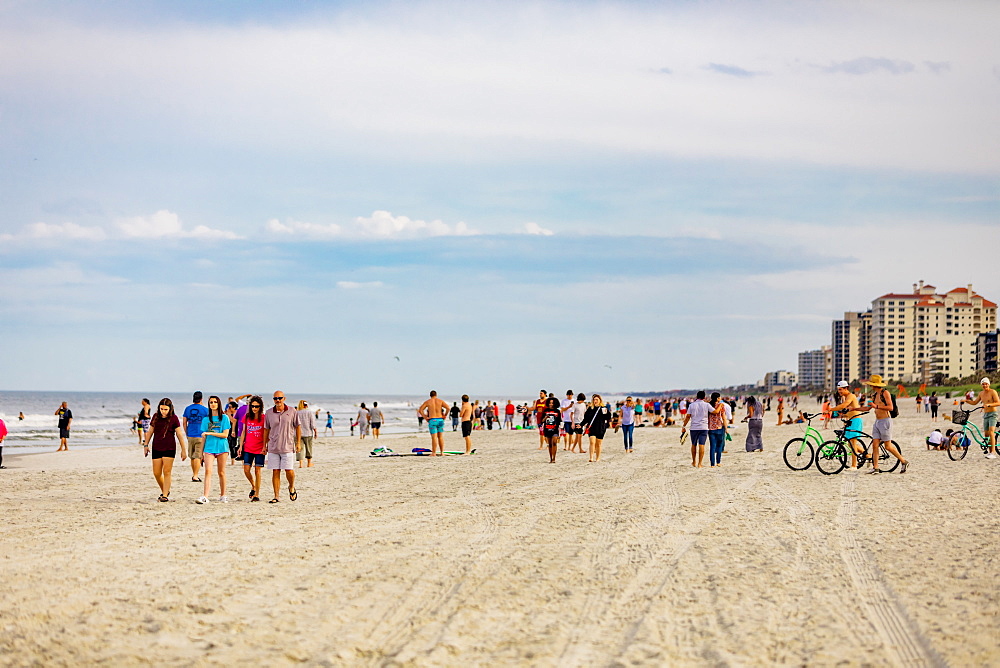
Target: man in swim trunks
x,y
465,415
882,429
852,412
434,410
990,400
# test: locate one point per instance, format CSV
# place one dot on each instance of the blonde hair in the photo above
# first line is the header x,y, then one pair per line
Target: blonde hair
x,y
302,404
597,400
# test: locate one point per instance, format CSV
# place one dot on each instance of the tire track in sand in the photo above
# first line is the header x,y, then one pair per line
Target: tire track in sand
x,y
904,644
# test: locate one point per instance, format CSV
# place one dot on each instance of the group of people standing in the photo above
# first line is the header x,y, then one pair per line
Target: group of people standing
x,y
209,435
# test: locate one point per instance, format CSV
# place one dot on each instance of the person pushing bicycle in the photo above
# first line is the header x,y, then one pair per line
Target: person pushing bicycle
x,y
990,400
882,431
849,405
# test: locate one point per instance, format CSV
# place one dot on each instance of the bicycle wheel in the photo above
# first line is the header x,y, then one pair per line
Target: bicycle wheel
x,y
831,457
798,454
957,452
886,461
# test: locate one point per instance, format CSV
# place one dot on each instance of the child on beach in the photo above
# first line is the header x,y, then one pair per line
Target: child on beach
x,y
215,430
165,431
548,425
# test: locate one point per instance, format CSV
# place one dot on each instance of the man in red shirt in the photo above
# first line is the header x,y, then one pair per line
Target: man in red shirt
x,y
538,409
508,415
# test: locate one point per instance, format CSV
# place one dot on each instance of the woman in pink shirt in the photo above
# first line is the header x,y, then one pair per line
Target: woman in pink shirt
x,y
252,444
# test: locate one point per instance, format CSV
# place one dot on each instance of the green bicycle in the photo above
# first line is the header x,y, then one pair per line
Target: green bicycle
x,y
798,452
958,451
832,457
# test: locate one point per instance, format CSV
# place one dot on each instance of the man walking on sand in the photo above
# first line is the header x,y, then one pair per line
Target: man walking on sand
x,y
465,415
65,420
193,415
851,409
434,410
566,409
283,436
697,415
538,409
990,400
882,430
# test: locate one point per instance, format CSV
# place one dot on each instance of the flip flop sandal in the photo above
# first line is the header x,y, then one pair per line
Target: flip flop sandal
x,y
273,501
294,494
195,479
162,498
256,498
253,492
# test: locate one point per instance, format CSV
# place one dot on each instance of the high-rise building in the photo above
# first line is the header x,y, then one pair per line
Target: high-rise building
x,y
779,381
850,347
812,368
986,352
917,335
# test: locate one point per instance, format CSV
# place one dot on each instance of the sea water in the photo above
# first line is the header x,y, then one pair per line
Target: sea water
x,y
105,418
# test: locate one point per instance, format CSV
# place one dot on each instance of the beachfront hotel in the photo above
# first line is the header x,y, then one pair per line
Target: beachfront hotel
x,y
915,337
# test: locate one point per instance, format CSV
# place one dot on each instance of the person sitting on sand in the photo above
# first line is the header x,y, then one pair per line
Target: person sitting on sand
x,y
935,440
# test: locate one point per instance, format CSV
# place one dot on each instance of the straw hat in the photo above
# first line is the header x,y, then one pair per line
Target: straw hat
x,y
875,381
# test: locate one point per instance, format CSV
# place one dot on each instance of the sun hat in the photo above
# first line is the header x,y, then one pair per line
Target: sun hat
x,y
843,383
875,381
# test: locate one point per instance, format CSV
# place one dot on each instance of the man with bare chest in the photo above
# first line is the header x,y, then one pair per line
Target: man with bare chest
x,y
434,411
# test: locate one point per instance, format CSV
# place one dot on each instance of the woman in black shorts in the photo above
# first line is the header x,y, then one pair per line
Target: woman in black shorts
x,y
164,430
595,422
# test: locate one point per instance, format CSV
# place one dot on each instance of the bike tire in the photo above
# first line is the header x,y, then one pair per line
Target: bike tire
x,y
831,458
957,453
891,463
798,454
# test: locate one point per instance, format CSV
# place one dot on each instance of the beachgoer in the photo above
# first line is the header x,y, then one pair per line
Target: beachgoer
x,y
376,416
234,436
637,404
465,416
697,416
20,416
827,412
65,420
934,406
329,424
3,435
193,416
579,410
852,413
455,413
508,415
716,430
215,429
363,419
283,438
550,422
307,421
252,444
537,410
567,418
755,424
934,440
882,429
781,410
433,410
597,418
166,432
142,420
628,417
990,401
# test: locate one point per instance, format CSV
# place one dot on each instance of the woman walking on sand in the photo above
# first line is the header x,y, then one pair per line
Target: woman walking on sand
x,y
165,431
596,421
579,410
629,415
549,424
215,430
755,424
716,430
781,410
363,420
252,444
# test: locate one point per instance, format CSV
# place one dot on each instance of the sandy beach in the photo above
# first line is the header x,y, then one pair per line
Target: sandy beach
x,y
503,559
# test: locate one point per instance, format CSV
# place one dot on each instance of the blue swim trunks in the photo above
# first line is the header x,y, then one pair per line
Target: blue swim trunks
x,y
854,428
435,426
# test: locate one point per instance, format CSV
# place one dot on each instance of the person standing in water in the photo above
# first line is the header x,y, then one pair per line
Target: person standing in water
x,y
166,433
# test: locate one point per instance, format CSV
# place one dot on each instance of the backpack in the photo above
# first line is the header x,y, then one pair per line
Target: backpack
x,y
894,413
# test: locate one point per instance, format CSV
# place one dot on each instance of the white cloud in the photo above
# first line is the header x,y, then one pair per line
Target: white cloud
x,y
354,285
380,225
67,231
166,224
535,228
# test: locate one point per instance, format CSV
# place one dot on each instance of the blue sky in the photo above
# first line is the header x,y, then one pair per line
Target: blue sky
x,y
506,196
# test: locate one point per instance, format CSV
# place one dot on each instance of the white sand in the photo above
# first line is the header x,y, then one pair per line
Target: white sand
x,y
503,559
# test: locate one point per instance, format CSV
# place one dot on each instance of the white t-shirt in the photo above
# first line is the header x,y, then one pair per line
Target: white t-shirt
x,y
579,410
936,438
698,411
729,412
567,410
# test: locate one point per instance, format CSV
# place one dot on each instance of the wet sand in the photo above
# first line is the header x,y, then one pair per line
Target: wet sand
x,y
503,559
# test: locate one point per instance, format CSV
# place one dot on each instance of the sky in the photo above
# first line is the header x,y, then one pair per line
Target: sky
x,y
486,197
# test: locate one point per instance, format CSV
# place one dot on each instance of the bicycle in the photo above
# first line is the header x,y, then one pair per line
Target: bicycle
x,y
957,451
799,452
832,456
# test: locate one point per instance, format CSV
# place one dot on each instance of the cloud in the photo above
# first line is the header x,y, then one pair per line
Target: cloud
x,y
380,225
535,228
938,68
66,231
355,285
868,65
166,225
732,70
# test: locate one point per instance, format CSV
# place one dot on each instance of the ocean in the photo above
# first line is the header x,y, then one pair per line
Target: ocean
x,y
105,418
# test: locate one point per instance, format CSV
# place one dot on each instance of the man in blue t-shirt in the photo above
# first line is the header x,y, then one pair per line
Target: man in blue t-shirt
x,y
193,415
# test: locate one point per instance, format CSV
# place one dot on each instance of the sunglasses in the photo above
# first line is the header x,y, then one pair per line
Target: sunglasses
x,y
256,405
279,398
